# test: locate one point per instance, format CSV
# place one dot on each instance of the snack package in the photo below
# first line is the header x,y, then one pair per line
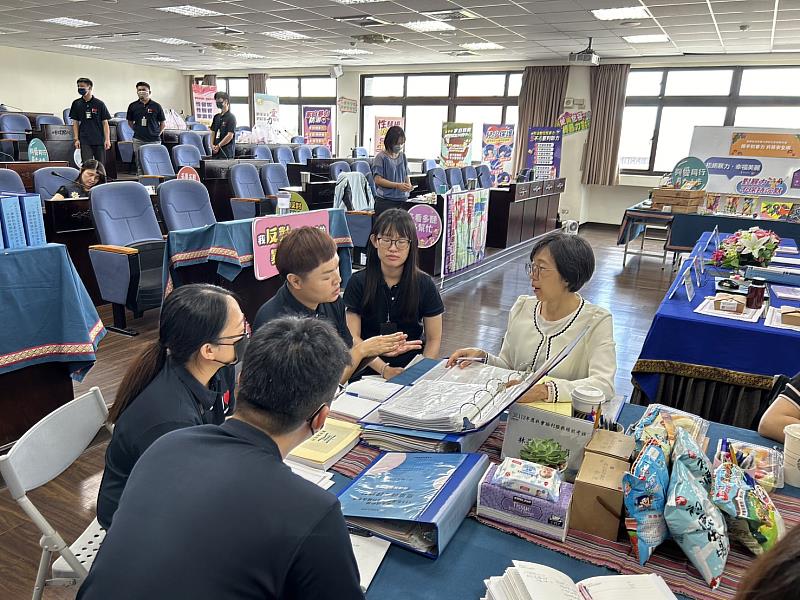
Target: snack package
x,y
645,490
752,517
661,421
687,452
763,464
696,524
529,478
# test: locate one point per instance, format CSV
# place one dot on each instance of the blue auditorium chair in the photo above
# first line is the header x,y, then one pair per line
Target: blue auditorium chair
x,y
249,199
10,181
302,154
185,155
454,177
363,167
322,152
47,120
360,152
273,178
156,164
193,139
484,176
337,167
428,164
185,204
46,184
283,155
436,178
263,153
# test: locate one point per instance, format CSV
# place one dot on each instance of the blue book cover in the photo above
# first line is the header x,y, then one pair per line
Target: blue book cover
x,y
32,219
11,218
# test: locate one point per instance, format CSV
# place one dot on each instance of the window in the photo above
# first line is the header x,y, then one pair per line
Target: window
x,y
318,86
514,84
283,87
636,140
289,115
238,88
424,130
478,115
699,83
512,113
428,85
768,116
770,82
296,92
383,86
481,85
644,83
677,127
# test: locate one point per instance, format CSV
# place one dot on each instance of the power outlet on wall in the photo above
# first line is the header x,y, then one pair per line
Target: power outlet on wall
x,y
564,211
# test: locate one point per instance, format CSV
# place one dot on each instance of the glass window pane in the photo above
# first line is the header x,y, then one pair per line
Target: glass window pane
x,y
238,87
638,126
478,115
372,111
283,87
333,124
222,84
318,87
676,129
715,82
424,131
428,85
288,114
512,113
514,84
242,114
768,116
492,84
644,83
383,86
770,82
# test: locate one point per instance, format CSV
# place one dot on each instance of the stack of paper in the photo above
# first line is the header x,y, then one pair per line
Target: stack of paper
x,y
785,292
326,447
322,479
369,551
373,389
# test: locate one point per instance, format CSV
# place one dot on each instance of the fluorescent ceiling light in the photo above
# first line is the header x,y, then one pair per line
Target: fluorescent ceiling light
x,y
356,1
83,46
427,26
69,22
187,10
173,41
285,35
247,55
618,14
161,59
654,38
352,51
482,46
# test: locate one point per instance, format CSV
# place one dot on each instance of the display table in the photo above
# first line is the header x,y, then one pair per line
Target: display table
x,y
721,369
521,211
50,333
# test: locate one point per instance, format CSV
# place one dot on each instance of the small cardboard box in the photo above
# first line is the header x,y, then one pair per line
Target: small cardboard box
x,y
612,444
732,303
597,496
790,315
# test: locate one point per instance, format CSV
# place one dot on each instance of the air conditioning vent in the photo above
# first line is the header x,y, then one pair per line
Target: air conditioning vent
x,y
451,15
362,21
374,38
225,46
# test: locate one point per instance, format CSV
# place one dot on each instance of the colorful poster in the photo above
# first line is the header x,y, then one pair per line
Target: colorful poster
x,y
498,152
689,173
428,224
318,126
266,110
775,210
575,122
37,151
382,125
203,102
544,152
464,229
762,186
456,145
268,231
774,145
347,105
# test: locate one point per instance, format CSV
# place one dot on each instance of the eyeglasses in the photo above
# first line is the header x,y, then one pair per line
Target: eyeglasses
x,y
239,336
534,270
400,244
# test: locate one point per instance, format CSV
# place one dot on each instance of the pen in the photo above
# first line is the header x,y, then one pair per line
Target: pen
x,y
471,359
356,530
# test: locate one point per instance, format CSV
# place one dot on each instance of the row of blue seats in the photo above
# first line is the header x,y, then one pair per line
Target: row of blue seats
x,y
438,177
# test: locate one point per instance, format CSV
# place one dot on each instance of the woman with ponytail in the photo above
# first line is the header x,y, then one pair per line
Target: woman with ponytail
x,y
185,378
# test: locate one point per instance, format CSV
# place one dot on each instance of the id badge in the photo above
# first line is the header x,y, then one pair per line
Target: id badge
x,y
144,121
88,115
388,328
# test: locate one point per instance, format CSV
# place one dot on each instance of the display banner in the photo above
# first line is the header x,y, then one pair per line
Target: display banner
x,y
498,152
37,151
544,152
382,125
269,231
575,122
456,145
771,145
318,126
464,229
203,102
428,224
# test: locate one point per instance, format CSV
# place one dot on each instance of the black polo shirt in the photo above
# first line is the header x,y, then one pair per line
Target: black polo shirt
x,y
221,126
284,304
173,400
283,537
90,116
386,309
147,119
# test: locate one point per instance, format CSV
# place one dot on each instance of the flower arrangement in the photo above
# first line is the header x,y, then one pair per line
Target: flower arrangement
x,y
752,246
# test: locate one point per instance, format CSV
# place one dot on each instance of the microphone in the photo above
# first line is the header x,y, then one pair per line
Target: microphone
x,y
9,106
9,156
59,175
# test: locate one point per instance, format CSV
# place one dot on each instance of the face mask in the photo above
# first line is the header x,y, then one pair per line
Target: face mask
x,y
220,103
398,149
239,348
83,91
143,95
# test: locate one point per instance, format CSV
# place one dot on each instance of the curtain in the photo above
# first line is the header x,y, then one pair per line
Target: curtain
x,y
258,85
209,80
607,98
541,99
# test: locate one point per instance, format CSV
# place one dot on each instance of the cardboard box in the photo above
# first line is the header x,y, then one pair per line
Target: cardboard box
x,y
732,303
790,315
597,496
685,195
612,444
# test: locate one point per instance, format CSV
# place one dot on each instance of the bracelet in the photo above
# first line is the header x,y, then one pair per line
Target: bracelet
x,y
383,370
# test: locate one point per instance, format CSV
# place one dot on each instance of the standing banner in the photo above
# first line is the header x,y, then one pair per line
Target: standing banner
x,y
266,110
464,229
37,151
187,173
456,145
203,102
268,231
382,125
498,151
318,126
544,152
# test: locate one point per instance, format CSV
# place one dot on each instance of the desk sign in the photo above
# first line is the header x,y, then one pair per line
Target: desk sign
x,y
37,152
687,283
428,224
188,173
269,231
697,268
715,237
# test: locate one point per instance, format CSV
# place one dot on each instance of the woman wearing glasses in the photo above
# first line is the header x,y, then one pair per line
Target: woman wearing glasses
x,y
392,295
542,325
184,378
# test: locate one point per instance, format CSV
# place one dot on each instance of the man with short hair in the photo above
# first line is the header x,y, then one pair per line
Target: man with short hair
x,y
90,123
212,512
223,128
147,119
307,260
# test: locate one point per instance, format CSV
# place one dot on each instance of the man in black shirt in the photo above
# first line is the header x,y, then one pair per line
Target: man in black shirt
x,y
90,123
212,512
223,128
146,118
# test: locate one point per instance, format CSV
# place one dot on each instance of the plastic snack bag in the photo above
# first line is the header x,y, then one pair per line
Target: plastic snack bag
x,y
529,478
693,458
752,518
645,490
763,464
661,422
696,524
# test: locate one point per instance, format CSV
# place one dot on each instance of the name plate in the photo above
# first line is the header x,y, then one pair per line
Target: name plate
x,y
549,186
57,133
561,184
536,188
523,191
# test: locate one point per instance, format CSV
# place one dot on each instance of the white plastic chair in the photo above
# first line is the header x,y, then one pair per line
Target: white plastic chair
x,y
38,457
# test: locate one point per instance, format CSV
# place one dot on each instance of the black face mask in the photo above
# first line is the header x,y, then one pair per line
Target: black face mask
x,y
239,348
220,104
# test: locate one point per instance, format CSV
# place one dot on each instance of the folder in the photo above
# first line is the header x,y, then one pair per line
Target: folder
x,y
31,209
416,440
11,218
416,500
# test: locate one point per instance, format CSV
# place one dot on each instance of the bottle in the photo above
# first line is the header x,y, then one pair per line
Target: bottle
x,y
755,293
283,203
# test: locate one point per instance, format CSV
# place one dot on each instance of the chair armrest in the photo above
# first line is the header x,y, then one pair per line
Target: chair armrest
x,y
360,212
156,177
126,142
114,249
248,199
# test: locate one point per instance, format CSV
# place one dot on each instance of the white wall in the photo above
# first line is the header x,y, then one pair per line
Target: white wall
x,y
573,200
45,81
607,203
347,86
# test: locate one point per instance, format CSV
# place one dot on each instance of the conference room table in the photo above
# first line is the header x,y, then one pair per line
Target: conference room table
x,y
478,552
719,368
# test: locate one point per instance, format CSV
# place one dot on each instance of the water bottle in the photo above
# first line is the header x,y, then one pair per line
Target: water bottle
x,y
283,202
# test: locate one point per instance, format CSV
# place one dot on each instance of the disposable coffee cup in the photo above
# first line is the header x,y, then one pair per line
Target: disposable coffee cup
x,y
587,398
791,469
284,203
792,442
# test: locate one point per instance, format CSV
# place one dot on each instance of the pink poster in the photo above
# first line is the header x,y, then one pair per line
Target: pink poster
x,y
318,126
382,125
203,99
268,231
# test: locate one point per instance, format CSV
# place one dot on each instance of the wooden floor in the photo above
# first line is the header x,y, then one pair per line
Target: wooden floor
x,y
476,316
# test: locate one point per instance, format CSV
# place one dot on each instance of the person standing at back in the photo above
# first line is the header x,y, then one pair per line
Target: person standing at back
x,y
146,118
390,170
223,128
90,123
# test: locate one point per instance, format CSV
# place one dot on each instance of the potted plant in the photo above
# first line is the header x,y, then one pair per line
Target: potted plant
x,y
752,246
545,452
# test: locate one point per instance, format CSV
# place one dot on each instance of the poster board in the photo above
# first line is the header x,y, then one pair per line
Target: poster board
x,y
466,216
266,111
269,231
544,152
203,105
382,125
497,152
318,126
456,148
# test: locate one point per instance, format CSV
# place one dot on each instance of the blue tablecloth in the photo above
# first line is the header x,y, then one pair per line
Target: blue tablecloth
x,y
45,311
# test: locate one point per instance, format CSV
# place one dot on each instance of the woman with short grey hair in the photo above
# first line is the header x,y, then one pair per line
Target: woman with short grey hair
x,y
540,326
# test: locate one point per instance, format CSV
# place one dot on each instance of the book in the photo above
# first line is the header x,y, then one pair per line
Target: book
x,y
416,500
11,222
326,447
319,478
370,389
397,439
532,581
32,219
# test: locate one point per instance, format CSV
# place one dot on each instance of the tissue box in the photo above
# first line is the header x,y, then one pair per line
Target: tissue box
x,y
732,303
790,315
523,511
612,444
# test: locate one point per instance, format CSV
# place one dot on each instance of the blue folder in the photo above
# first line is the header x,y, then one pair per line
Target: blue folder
x,y
11,222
